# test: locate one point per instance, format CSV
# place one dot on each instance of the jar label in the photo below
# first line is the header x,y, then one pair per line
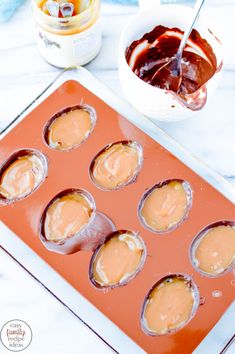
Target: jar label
x,y
69,50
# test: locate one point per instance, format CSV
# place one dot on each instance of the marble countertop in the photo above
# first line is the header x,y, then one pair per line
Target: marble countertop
x,y
23,75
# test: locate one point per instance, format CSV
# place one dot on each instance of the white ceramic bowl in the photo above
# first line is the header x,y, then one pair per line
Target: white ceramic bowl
x,y
149,100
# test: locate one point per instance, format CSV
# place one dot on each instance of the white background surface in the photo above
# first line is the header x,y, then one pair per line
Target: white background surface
x,y
23,75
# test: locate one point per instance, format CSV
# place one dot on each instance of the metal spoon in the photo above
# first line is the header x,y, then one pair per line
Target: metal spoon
x,y
169,76
53,8
67,9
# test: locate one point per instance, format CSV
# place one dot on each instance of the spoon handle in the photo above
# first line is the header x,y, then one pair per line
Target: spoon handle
x,y
53,8
195,14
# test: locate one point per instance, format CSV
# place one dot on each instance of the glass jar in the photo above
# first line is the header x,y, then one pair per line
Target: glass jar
x,y
70,41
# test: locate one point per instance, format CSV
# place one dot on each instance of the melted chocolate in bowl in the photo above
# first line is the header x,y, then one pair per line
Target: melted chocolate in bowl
x,y
170,305
117,260
149,53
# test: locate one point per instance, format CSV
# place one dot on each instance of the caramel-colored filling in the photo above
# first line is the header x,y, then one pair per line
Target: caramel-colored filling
x,y
21,177
117,260
116,166
169,306
69,129
66,216
216,250
165,206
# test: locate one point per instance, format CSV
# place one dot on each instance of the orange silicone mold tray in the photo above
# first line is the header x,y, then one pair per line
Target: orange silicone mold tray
x,y
166,253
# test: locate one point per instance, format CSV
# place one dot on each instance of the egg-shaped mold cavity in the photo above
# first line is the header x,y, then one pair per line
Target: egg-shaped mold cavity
x,y
165,206
117,260
170,305
117,165
212,252
21,174
70,223
70,127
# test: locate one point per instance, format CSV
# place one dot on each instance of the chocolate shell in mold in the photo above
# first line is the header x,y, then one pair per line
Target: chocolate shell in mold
x,y
117,260
80,226
116,165
21,174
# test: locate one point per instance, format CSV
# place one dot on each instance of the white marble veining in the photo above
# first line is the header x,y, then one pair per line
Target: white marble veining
x,y
23,75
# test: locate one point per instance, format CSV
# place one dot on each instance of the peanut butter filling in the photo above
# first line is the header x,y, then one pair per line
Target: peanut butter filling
x,y
169,306
165,206
215,251
70,129
117,260
117,165
21,177
66,216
